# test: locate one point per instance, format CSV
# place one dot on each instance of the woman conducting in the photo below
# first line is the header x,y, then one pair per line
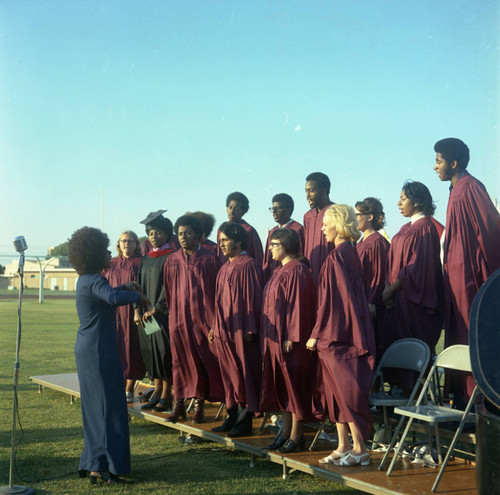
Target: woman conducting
x,y
287,320
343,336
124,269
104,411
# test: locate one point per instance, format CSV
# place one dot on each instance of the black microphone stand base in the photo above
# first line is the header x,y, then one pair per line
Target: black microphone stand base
x,y
16,490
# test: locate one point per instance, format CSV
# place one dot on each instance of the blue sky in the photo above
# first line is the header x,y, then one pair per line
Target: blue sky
x,y
173,105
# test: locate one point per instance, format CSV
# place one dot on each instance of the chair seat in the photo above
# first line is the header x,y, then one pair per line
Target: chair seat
x,y
431,414
384,399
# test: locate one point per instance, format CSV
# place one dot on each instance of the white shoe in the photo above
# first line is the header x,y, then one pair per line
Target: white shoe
x,y
130,397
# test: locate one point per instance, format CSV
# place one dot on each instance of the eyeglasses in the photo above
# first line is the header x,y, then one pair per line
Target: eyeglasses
x,y
127,241
275,244
274,209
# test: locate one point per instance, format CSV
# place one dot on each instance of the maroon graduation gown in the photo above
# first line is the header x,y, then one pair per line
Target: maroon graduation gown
x,y
372,253
288,314
316,248
471,254
190,295
269,265
254,244
414,260
125,270
238,305
346,345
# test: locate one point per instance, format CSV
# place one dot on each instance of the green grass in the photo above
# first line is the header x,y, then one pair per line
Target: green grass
x,y
48,454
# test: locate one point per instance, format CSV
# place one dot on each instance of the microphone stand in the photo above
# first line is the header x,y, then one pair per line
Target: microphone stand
x,y
11,489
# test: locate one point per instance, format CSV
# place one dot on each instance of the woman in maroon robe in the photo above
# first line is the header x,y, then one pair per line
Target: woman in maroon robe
x,y
414,292
287,321
372,250
124,269
343,336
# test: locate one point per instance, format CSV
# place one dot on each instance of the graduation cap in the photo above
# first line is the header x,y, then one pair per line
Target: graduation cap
x,y
156,220
154,217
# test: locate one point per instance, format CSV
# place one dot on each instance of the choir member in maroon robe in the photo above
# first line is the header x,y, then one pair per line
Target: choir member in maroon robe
x,y
189,280
207,222
343,335
238,306
237,205
471,245
372,250
155,347
316,247
282,210
124,269
287,319
414,286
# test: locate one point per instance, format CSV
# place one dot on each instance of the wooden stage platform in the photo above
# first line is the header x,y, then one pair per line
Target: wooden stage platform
x,y
407,478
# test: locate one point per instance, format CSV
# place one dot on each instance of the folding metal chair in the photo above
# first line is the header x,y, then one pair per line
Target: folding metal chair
x,y
406,354
454,358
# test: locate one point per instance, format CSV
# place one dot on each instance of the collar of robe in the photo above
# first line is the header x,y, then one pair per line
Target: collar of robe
x,y
160,252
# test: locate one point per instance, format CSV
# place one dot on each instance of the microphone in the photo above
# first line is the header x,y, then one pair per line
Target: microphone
x,y
20,244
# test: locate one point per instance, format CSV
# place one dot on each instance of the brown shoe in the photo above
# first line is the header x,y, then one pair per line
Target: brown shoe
x,y
179,412
199,410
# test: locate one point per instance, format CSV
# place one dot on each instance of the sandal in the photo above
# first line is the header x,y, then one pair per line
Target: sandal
x,y
334,456
354,460
107,479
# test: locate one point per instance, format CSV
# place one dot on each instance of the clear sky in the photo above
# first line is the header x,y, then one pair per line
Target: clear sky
x,y
174,104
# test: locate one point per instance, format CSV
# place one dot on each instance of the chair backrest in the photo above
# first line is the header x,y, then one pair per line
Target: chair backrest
x,y
408,354
456,357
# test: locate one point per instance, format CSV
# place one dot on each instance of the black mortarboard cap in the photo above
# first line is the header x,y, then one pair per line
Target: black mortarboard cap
x,y
153,216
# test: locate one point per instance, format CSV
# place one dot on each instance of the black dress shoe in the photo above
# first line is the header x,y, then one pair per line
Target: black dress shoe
x,y
278,442
243,426
291,446
151,404
163,405
229,422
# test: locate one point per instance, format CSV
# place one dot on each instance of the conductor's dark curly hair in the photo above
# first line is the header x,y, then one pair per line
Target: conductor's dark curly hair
x,y
88,250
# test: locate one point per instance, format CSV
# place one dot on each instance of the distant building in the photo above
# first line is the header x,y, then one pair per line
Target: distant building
x,y
58,274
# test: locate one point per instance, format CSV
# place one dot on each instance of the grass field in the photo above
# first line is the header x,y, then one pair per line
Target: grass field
x,y
52,439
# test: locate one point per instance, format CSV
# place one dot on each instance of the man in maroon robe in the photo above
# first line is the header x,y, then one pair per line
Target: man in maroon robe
x,y
189,280
471,250
237,205
282,210
238,305
316,247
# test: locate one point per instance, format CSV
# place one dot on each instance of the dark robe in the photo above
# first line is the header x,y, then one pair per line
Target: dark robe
x,y
238,306
346,343
269,265
471,254
210,245
288,314
104,410
373,253
316,248
155,348
125,270
190,295
414,260
254,244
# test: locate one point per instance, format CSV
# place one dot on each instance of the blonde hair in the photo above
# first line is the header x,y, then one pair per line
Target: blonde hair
x,y
137,243
343,218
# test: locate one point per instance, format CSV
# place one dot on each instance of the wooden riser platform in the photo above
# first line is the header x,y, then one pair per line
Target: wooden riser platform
x,y
407,478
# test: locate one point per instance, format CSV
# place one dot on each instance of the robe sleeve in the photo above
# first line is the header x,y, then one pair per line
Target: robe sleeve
x,y
419,278
114,297
249,298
